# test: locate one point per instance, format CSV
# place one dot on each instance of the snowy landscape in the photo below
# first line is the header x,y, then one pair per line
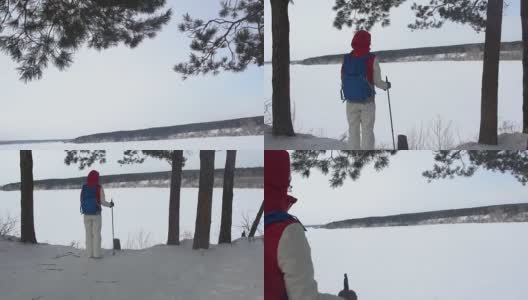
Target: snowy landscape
x,y
436,77
432,103
146,268
424,249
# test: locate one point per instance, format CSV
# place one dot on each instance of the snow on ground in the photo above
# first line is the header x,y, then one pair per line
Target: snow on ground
x,y
216,143
422,92
137,210
506,141
301,142
434,262
49,272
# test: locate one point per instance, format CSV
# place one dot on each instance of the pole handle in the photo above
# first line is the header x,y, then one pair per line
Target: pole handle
x,y
345,283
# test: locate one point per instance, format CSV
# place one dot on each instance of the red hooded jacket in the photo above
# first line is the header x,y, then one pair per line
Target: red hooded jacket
x,y
276,199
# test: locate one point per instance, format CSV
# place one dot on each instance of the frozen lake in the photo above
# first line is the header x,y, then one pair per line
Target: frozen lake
x,y
58,220
421,93
216,143
455,262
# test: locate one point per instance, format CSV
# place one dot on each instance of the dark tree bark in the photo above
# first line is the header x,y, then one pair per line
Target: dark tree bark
x,y
26,203
490,74
205,200
257,221
524,21
280,27
174,198
227,198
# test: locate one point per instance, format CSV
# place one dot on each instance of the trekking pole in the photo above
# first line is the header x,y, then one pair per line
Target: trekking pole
x,y
112,209
390,113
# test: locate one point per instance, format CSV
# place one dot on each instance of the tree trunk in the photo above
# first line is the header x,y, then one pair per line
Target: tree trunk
x,y
257,221
524,21
205,200
227,198
280,28
490,74
26,203
174,198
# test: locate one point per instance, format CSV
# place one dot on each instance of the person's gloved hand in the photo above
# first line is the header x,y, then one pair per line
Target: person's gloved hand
x,y
389,85
112,204
348,295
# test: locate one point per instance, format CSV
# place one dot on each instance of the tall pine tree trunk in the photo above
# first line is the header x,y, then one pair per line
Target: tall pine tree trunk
x,y
490,74
174,198
227,198
26,202
256,222
524,21
280,28
205,200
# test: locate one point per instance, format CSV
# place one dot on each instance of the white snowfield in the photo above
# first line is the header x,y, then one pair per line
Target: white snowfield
x,y
216,143
421,93
432,262
49,272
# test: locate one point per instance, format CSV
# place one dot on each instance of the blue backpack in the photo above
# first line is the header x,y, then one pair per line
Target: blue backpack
x,y
354,83
89,203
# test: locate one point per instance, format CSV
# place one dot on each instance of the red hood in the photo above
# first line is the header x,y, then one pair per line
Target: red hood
x,y
361,43
277,181
93,178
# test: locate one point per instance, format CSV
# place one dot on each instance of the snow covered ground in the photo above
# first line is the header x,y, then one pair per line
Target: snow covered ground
x,y
423,94
434,262
515,141
137,211
216,143
48,272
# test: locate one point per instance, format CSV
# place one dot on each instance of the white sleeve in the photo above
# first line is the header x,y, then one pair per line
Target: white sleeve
x,y
103,199
295,261
378,81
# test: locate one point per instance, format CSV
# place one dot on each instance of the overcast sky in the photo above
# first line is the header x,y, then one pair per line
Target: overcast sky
x,y
312,33
50,164
122,88
400,188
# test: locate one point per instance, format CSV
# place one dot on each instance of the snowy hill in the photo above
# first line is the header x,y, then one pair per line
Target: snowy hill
x,y
244,178
483,214
50,272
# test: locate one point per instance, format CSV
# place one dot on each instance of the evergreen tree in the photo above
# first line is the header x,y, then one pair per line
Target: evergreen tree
x,y
524,21
35,33
227,198
230,42
340,163
281,102
27,231
205,200
449,164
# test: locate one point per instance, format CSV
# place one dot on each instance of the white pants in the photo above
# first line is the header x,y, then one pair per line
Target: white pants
x,y
361,117
92,225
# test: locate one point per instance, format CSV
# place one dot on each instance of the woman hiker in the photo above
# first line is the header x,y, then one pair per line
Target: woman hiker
x,y
288,267
92,197
360,72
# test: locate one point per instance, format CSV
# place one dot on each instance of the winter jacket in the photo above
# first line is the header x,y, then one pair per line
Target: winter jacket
x,y
288,267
